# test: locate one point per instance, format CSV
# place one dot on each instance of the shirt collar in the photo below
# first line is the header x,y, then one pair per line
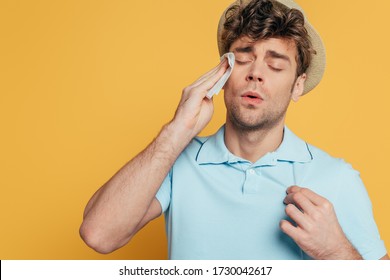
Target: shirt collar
x,y
292,149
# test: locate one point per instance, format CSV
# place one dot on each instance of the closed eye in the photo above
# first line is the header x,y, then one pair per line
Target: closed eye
x,y
275,68
240,62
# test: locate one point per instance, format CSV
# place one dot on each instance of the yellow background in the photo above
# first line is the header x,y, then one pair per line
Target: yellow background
x,y
85,85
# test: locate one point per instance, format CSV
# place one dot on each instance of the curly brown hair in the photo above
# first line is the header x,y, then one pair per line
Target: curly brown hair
x,y
264,19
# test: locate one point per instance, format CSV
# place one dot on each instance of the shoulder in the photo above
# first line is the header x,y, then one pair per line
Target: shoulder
x,y
313,161
330,176
329,164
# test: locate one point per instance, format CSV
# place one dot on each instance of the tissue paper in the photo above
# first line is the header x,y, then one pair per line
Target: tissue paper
x,y
218,86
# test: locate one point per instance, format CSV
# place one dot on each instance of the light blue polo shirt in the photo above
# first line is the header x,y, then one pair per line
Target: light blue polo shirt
x,y
220,206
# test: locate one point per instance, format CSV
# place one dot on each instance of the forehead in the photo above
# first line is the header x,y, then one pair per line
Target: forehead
x,y
280,45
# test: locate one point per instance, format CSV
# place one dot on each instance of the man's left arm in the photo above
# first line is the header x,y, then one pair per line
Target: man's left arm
x,y
317,230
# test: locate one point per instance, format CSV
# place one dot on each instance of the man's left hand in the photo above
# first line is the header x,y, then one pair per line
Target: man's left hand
x,y
317,231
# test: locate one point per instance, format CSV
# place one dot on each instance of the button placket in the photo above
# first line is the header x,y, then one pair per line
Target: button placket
x,y
251,182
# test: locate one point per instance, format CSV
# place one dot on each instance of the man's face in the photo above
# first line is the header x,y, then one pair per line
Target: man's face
x,y
262,83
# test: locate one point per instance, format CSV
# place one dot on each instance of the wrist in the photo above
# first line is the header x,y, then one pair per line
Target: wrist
x,y
344,252
173,139
349,253
179,133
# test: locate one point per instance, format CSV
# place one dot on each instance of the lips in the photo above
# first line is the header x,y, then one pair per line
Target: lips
x,y
251,94
252,97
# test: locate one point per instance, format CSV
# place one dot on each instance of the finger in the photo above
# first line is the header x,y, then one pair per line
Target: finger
x,y
293,189
301,201
315,198
216,72
207,84
221,64
289,229
297,216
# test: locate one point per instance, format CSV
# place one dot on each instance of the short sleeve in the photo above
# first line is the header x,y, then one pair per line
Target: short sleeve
x,y
354,211
163,195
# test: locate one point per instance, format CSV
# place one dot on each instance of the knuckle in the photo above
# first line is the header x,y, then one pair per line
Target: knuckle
x,y
307,238
302,238
305,191
327,205
309,227
283,225
290,208
186,90
298,197
316,216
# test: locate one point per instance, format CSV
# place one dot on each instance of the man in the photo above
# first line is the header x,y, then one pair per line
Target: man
x,y
253,190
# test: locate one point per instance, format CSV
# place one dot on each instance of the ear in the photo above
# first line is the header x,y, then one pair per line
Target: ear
x,y
299,86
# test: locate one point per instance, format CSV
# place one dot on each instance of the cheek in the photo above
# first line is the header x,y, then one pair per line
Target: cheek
x,y
229,88
281,83
233,80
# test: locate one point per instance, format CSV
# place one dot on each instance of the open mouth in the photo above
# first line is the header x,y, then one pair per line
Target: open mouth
x,y
252,97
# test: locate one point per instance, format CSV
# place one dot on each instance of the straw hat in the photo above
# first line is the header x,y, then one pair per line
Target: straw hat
x,y
316,68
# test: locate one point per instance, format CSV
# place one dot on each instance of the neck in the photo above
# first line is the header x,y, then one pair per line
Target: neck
x,y
254,144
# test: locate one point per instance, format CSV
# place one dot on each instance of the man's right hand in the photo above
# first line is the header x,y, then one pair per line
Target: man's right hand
x,y
194,111
124,204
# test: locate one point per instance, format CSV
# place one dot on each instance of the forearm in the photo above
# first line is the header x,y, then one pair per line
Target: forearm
x,y
346,252
113,213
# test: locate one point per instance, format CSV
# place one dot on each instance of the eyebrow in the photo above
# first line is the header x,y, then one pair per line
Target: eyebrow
x,y
274,54
248,49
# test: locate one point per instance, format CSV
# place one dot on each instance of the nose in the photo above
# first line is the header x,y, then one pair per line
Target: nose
x,y
255,73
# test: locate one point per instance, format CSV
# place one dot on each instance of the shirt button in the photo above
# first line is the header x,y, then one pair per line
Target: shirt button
x,y
251,171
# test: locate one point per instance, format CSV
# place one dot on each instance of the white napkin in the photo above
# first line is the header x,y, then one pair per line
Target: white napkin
x,y
218,86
